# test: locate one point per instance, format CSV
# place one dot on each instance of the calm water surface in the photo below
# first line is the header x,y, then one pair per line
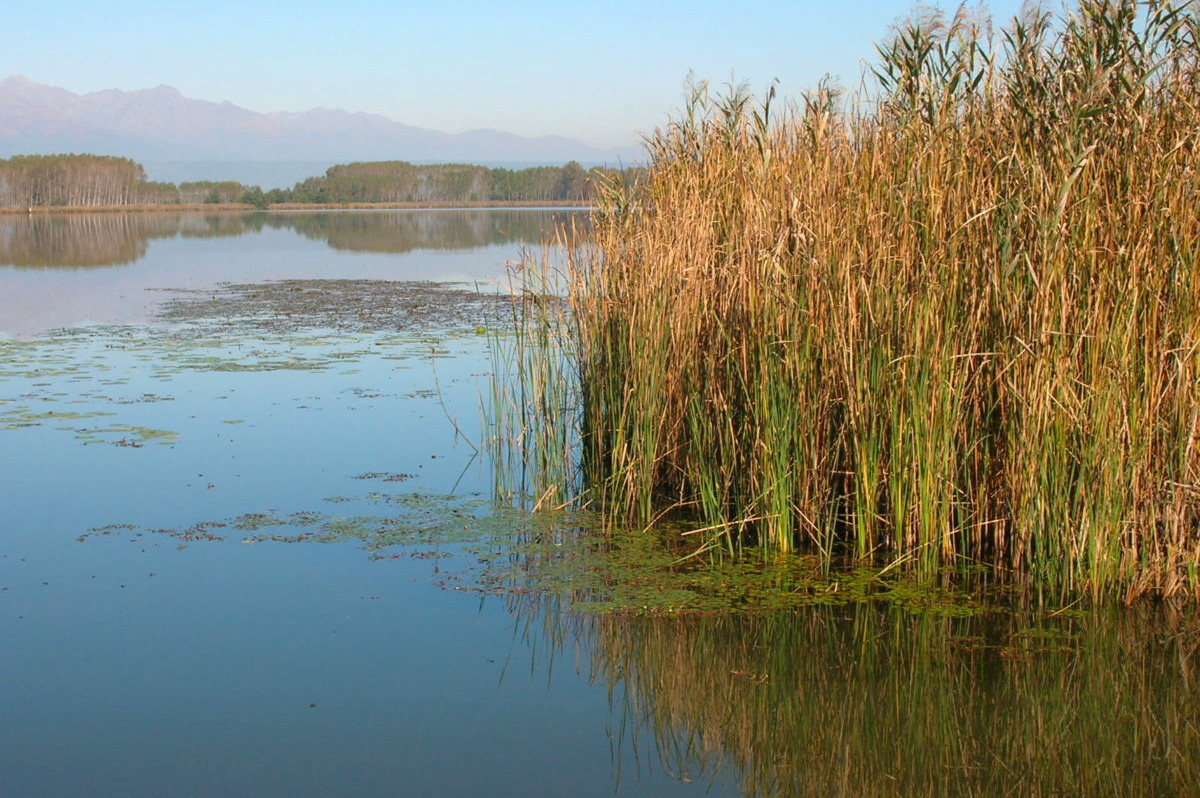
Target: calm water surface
x,y
144,662
159,638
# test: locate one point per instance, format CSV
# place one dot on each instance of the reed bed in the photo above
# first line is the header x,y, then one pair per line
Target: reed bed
x,y
951,325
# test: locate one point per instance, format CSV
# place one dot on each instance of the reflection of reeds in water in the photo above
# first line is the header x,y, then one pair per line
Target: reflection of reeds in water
x,y
863,701
961,328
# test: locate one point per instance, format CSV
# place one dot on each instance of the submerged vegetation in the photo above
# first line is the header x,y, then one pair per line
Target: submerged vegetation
x,y
958,324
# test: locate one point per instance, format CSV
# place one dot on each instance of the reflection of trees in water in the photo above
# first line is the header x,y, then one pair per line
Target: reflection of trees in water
x,y
867,700
406,231
104,239
110,239
107,239
221,225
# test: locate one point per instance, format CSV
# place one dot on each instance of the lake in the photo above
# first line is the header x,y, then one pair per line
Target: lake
x,y
248,546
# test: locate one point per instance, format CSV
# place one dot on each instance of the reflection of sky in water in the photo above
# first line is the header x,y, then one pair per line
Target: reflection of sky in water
x,y
132,666
293,246
143,664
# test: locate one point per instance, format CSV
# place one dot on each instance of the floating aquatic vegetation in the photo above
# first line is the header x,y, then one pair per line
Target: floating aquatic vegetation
x,y
353,306
510,551
130,436
68,376
385,476
20,417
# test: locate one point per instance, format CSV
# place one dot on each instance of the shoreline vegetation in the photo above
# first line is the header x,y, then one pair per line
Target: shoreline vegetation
x,y
100,182
241,207
951,329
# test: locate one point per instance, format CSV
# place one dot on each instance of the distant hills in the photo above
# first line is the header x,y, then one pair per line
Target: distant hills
x,y
162,125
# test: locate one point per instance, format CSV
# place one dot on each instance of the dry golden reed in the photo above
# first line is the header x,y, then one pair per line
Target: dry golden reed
x,y
956,324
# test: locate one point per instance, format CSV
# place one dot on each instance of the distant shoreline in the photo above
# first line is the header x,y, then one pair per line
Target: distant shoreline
x,y
229,207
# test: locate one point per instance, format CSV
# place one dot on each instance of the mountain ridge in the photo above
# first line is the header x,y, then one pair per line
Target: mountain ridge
x,y
163,124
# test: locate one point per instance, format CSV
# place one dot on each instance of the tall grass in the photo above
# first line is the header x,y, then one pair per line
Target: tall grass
x,y
533,411
955,324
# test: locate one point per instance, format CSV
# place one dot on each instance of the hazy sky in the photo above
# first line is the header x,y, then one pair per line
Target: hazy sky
x,y
599,72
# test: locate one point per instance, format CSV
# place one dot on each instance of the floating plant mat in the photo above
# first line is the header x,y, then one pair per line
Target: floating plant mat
x,y
72,377
288,306
508,551
548,562
97,382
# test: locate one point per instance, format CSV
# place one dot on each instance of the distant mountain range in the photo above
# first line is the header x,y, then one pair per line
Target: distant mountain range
x,y
162,125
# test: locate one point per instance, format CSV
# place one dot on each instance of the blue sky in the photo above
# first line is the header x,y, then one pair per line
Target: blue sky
x,y
599,72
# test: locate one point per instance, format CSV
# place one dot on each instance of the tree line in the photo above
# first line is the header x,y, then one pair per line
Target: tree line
x,y
102,180
88,180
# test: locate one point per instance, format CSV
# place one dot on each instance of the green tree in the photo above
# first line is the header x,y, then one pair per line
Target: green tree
x,y
255,196
572,183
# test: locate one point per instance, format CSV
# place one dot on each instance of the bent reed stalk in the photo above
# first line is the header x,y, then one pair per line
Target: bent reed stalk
x,y
960,328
